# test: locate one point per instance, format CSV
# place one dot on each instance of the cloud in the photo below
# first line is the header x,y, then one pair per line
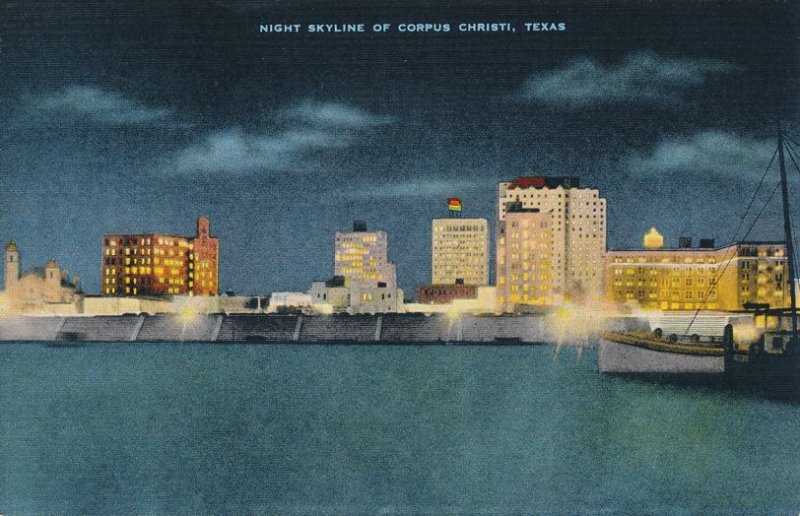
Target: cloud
x,y
416,188
334,115
305,129
716,152
234,150
643,77
97,105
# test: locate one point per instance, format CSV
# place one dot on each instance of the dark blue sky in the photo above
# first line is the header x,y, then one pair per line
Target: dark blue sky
x,y
142,116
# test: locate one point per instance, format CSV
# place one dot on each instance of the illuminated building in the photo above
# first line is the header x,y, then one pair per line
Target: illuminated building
x,y
460,251
653,239
364,279
46,289
577,231
361,258
705,277
442,294
524,258
157,264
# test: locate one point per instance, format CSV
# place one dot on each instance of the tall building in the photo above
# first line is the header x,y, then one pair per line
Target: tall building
x,y
361,258
155,264
525,272
732,277
577,231
460,251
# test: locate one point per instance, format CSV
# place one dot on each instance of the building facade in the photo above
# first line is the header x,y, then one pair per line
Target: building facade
x,y
444,293
361,258
330,297
459,251
577,231
732,277
46,289
525,267
157,264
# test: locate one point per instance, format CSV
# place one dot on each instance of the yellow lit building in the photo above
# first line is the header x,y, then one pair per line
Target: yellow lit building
x,y
653,239
361,258
460,251
578,230
159,264
524,259
707,277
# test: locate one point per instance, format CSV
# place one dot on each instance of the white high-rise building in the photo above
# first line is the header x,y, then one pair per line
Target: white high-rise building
x,y
460,251
577,230
361,258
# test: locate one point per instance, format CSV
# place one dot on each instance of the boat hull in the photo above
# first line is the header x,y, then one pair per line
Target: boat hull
x,y
619,358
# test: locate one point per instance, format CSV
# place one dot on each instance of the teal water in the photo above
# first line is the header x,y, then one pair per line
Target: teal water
x,y
210,429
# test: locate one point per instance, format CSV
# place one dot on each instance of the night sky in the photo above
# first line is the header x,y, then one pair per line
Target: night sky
x,y
141,117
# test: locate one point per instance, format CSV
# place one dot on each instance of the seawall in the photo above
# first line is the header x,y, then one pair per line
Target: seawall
x,y
381,328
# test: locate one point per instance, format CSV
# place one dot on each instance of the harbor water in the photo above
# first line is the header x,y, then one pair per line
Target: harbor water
x,y
344,429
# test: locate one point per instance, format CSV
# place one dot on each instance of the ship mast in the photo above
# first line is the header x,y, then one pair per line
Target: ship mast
x,y
787,232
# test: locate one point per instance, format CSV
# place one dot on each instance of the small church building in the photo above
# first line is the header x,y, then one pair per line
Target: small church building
x,y
45,290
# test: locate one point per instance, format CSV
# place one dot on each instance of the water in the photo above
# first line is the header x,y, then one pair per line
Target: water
x,y
194,428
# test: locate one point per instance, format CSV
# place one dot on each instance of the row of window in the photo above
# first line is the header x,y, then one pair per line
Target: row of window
x,y
460,229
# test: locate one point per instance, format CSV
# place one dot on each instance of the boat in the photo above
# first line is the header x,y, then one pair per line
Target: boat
x,y
770,356
641,352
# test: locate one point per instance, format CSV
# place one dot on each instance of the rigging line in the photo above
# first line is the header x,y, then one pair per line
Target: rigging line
x,y
791,152
762,210
787,137
752,199
739,227
727,261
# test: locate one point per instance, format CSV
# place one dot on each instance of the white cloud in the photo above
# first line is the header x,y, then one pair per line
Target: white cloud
x,y
97,105
234,150
335,115
641,77
308,127
708,152
415,188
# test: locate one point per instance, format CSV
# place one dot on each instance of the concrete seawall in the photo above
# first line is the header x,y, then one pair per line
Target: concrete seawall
x,y
382,328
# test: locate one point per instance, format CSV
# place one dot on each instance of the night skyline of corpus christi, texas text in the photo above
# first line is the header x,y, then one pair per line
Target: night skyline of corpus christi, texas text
x,y
409,27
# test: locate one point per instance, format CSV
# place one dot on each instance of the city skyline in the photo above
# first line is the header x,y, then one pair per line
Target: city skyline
x,y
142,120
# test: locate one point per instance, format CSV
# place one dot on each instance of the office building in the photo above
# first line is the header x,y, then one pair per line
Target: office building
x,y
460,251
525,271
157,264
577,231
361,258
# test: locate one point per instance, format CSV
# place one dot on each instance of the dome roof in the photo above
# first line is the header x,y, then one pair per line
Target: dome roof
x,y
11,246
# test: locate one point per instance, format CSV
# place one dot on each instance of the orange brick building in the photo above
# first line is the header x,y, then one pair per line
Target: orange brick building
x,y
156,264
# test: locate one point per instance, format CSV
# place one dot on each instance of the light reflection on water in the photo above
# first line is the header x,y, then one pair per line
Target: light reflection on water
x,y
199,428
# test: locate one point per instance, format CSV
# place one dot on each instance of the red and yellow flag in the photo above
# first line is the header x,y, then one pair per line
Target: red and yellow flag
x,y
454,204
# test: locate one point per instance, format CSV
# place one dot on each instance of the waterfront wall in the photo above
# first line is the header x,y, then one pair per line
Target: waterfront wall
x,y
386,328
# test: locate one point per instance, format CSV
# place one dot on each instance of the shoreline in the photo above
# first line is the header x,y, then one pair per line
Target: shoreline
x,y
390,329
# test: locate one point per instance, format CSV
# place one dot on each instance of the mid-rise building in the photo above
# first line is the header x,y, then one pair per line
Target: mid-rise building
x,y
157,264
525,268
460,251
737,276
361,258
364,279
577,231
